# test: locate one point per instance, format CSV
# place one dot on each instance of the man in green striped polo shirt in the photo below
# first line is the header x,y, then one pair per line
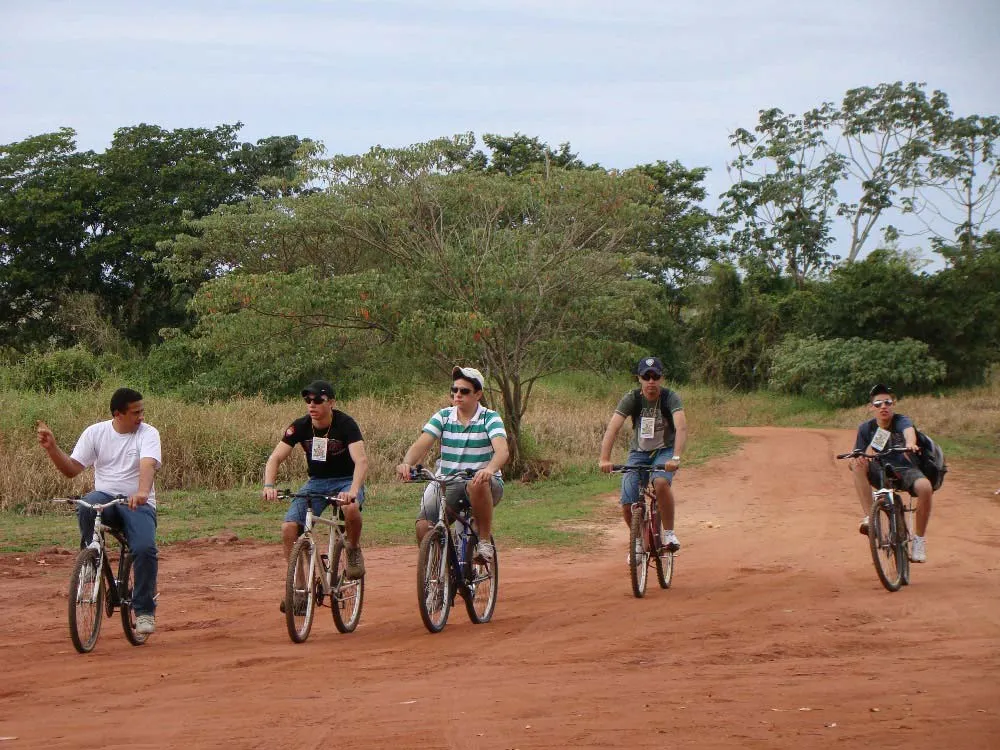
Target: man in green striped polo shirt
x,y
472,437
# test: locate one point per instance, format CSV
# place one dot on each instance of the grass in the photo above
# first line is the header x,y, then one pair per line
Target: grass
x,y
206,489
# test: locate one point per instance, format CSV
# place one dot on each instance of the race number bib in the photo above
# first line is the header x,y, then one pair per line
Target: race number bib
x,y
647,428
319,449
881,439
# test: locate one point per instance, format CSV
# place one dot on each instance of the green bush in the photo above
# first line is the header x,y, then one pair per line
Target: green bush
x,y
55,370
841,371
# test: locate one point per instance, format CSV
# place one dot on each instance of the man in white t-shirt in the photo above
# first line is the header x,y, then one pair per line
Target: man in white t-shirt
x,y
125,454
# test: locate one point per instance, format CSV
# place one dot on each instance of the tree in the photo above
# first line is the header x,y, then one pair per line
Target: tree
x,y
516,154
782,203
886,139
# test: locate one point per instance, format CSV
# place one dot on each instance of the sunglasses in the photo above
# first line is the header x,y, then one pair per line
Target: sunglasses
x,y
463,391
650,376
882,402
315,399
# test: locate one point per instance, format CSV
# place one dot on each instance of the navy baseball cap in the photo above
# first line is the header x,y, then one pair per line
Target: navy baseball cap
x,y
649,364
879,388
318,388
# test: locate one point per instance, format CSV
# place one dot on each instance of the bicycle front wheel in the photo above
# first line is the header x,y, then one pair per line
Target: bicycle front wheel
x,y
665,568
348,593
125,588
887,553
433,581
638,555
86,601
301,583
484,581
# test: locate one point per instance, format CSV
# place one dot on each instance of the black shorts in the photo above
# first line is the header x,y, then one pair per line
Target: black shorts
x,y
908,476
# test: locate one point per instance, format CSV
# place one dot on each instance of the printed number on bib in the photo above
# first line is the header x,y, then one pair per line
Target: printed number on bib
x,y
881,439
319,449
647,427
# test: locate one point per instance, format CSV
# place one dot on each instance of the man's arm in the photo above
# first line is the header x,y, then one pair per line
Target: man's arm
x,y
680,439
608,441
67,465
360,457
281,451
910,437
147,472
501,454
415,454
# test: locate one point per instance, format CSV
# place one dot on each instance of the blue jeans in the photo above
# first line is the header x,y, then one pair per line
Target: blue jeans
x,y
139,526
630,479
297,510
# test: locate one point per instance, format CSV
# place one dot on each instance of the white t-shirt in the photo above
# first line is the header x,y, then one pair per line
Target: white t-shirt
x,y
115,457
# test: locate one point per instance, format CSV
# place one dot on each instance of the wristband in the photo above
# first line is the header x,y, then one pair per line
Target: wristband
x,y
676,458
268,485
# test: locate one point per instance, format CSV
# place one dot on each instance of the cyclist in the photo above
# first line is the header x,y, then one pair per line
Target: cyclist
x,y
472,437
338,463
890,430
125,454
659,433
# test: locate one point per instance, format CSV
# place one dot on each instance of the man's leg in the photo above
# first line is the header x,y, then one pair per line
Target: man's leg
x,y
859,471
665,501
925,497
481,500
140,531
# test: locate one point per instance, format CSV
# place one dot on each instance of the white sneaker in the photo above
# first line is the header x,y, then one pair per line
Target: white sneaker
x,y
145,624
669,540
484,550
918,549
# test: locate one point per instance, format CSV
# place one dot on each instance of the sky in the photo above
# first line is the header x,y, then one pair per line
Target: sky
x,y
625,82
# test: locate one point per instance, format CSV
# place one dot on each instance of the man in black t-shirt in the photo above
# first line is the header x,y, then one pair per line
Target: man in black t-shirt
x,y
890,430
338,464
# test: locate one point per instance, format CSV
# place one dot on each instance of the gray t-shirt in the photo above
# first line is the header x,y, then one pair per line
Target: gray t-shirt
x,y
651,431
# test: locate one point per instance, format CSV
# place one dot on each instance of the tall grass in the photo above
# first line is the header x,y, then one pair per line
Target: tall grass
x,y
225,444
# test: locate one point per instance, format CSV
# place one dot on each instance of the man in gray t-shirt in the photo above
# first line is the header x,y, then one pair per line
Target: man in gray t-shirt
x,y
652,408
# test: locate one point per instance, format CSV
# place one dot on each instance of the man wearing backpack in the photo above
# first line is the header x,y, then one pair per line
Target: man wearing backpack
x,y
659,432
890,430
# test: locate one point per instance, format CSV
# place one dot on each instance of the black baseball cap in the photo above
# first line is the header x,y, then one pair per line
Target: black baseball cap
x,y
319,388
649,364
879,388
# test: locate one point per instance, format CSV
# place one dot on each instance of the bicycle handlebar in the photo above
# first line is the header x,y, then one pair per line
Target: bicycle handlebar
x,y
621,468
335,499
860,453
421,472
78,500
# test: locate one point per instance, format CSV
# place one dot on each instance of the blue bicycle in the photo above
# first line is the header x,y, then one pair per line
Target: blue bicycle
x,y
446,563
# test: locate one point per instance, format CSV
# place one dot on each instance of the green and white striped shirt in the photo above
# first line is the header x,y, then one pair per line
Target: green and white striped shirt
x,y
465,446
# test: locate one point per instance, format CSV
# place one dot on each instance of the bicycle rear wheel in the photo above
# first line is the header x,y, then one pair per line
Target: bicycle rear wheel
x,y
126,585
638,555
484,578
904,541
86,601
348,593
433,581
301,583
888,553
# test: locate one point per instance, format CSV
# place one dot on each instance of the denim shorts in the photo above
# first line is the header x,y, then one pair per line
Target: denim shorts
x,y
297,510
454,494
630,479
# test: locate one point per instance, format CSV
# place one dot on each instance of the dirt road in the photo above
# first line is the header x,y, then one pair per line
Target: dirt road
x,y
775,634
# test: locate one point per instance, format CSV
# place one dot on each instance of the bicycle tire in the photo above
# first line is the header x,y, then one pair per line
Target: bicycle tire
x,y
126,585
638,557
434,580
86,606
348,594
885,547
903,541
301,581
484,578
665,568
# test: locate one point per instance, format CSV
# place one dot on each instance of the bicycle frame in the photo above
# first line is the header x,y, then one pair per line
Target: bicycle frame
x,y
114,599
465,537
338,532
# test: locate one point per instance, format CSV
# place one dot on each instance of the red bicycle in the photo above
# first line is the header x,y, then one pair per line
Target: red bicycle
x,y
645,546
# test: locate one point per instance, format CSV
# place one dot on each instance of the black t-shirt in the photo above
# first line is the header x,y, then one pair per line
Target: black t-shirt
x,y
342,432
866,433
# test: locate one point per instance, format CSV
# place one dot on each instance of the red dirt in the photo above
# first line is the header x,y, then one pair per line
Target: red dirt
x,y
776,633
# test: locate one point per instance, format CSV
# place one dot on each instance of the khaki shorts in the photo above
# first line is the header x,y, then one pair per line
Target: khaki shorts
x,y
455,496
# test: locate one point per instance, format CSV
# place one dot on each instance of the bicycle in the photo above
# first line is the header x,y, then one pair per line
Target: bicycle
x,y
446,563
313,576
93,589
889,531
645,544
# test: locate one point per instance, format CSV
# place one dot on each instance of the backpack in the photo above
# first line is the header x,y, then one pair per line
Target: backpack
x,y
664,407
931,460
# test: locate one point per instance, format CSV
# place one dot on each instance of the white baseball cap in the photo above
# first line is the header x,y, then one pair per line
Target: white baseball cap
x,y
469,373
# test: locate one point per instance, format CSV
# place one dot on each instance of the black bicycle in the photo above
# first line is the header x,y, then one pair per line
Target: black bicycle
x,y
645,547
94,589
447,562
889,532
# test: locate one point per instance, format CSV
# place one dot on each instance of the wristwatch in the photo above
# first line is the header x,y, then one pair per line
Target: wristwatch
x,y
676,458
